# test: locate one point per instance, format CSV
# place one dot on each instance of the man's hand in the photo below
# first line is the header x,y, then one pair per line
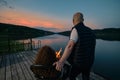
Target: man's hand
x,y
59,65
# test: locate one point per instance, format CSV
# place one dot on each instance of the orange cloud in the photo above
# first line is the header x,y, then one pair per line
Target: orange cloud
x,y
29,19
37,20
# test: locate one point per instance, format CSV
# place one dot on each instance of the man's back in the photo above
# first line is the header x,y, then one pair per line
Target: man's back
x,y
83,51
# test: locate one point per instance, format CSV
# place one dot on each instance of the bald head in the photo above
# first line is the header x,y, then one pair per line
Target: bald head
x,y
77,18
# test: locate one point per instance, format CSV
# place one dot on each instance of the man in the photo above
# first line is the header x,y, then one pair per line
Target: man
x,y
79,50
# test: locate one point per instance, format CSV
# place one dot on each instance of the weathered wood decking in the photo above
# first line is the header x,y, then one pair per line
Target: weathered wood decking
x,y
17,67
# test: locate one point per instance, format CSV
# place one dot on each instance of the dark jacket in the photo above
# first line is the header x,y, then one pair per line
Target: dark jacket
x,y
84,49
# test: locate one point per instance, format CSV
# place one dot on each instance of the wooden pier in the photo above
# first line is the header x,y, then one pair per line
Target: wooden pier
x,y
17,67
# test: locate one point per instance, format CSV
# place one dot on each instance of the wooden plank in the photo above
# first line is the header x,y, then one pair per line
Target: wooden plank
x,y
31,56
8,69
21,74
21,66
28,58
2,69
96,76
93,76
14,73
27,64
26,73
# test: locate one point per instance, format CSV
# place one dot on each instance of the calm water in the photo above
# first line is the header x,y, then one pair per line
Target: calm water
x,y
107,56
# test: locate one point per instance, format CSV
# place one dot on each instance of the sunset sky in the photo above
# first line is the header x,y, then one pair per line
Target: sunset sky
x,y
56,15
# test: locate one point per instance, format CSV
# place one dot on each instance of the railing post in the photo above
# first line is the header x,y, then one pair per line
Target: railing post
x,y
31,48
39,43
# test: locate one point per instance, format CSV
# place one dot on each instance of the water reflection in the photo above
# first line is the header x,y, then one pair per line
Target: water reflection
x,y
55,41
107,59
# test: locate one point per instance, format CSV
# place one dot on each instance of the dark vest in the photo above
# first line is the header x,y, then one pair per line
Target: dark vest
x,y
84,49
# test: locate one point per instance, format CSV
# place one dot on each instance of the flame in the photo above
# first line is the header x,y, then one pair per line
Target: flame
x,y
58,53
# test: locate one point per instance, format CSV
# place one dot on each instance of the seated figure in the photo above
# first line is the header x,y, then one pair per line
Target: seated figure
x,y
43,65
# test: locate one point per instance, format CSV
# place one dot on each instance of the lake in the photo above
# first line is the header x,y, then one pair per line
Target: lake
x,y
107,54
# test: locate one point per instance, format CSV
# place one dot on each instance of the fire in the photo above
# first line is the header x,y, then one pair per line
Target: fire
x,y
58,53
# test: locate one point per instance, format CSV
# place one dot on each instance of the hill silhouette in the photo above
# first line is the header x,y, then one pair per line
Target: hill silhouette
x,y
16,32
105,34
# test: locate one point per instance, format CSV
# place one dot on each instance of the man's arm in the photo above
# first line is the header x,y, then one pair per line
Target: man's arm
x,y
59,64
67,51
70,45
73,39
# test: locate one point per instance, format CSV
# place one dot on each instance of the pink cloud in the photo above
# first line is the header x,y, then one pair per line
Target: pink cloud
x,y
29,19
36,20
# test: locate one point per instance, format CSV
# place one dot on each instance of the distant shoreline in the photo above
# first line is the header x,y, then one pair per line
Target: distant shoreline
x,y
111,34
17,32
